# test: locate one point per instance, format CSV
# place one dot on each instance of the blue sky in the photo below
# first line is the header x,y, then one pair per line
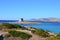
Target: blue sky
x,y
27,9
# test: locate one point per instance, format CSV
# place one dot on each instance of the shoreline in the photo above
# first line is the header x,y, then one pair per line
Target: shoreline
x,y
25,22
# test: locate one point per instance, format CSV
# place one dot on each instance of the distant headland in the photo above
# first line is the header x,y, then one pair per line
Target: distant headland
x,y
32,21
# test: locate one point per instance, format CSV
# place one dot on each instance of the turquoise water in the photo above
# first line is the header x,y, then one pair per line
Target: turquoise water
x,y
51,26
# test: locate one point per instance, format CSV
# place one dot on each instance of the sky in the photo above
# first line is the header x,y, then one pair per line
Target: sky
x,y
27,9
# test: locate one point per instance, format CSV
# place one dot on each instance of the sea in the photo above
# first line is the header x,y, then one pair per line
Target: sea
x,y
50,26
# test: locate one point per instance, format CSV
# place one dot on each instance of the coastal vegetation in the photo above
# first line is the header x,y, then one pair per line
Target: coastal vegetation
x,y
19,34
11,26
52,38
40,32
58,36
12,29
8,25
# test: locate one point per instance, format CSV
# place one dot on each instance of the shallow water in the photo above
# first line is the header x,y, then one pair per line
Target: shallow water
x,y
51,26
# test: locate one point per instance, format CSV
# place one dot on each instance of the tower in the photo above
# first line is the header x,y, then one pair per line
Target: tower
x,y
21,20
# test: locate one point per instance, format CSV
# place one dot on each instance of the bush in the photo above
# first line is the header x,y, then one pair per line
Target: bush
x,y
40,32
17,26
58,36
20,34
52,38
8,25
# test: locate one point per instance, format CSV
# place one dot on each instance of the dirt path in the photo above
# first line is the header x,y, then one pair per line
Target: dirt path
x,y
34,36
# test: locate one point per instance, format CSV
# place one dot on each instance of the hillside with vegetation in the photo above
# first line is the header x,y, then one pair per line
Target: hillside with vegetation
x,y
17,32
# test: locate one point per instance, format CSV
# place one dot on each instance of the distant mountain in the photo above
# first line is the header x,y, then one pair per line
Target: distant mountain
x,y
47,19
36,20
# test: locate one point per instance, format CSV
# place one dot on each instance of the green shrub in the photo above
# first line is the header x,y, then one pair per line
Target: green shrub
x,y
17,26
20,34
40,32
8,25
33,31
52,38
58,36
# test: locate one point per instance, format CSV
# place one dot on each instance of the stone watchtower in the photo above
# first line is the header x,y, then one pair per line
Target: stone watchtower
x,y
21,20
